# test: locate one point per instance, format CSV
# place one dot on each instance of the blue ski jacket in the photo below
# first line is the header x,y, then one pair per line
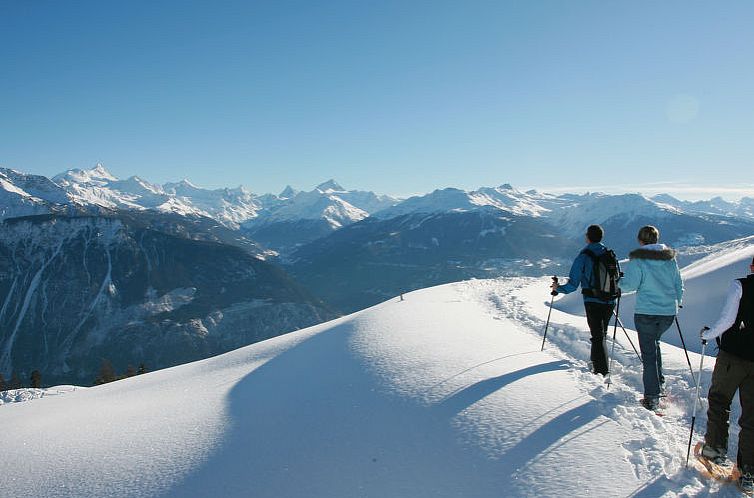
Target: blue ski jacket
x,y
581,273
653,273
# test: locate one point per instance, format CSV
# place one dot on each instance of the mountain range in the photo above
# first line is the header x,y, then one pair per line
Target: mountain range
x,y
76,280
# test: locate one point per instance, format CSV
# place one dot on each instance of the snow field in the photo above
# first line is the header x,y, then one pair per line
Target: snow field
x,y
445,394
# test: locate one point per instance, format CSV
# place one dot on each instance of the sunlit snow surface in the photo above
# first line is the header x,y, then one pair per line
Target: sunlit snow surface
x,y
444,394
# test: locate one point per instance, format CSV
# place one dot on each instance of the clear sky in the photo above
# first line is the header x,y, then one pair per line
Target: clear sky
x,y
393,96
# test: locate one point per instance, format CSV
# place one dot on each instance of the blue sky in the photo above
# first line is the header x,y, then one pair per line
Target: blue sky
x,y
394,96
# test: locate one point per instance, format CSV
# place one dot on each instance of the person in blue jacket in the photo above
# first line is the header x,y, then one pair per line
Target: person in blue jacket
x,y
652,271
598,311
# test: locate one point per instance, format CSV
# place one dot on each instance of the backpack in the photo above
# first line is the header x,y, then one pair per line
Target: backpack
x,y
605,275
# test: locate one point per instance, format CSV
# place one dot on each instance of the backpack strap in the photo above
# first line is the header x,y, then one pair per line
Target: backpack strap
x,y
593,257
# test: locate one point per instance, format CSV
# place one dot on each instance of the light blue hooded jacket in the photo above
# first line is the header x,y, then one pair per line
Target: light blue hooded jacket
x,y
653,273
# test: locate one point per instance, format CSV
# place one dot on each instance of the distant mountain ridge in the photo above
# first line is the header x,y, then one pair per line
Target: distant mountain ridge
x,y
327,207
23,194
349,248
76,290
285,222
744,208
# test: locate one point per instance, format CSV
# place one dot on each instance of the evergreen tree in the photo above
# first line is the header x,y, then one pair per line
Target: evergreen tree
x,y
130,371
36,379
142,368
106,373
3,385
15,381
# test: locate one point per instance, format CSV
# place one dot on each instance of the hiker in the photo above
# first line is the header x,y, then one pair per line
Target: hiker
x,y
598,311
734,371
652,271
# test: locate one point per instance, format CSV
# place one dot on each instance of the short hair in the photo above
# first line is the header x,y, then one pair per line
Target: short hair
x,y
595,233
648,235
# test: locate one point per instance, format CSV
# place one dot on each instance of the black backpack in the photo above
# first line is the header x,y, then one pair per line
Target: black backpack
x,y
605,275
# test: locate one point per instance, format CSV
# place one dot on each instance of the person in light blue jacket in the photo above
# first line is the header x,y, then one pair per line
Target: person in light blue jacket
x,y
653,273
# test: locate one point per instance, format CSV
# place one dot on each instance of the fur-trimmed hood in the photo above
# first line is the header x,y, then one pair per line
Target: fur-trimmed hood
x,y
659,252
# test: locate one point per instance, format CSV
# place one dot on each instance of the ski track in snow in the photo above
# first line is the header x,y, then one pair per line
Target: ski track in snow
x,y
658,452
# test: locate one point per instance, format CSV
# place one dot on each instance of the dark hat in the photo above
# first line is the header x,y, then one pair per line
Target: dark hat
x,y
595,233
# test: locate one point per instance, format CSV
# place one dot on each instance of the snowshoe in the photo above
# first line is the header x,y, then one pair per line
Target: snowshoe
x,y
717,466
652,404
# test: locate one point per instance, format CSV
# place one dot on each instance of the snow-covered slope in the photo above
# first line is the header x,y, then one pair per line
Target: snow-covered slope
x,y
231,205
295,218
570,214
315,205
328,202
29,393
743,208
504,198
24,195
99,187
445,393
581,211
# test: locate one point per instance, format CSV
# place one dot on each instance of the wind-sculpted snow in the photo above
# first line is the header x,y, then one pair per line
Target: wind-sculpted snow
x,y
29,393
444,393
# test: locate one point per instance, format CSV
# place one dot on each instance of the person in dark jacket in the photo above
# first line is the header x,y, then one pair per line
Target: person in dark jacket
x,y
652,271
598,311
734,371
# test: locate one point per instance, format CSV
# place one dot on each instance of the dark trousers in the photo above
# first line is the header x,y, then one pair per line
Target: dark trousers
x,y
732,374
598,317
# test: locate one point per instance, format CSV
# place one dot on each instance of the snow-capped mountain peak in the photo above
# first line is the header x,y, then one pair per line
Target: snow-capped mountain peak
x,y
503,198
97,175
288,192
579,211
22,194
100,171
330,186
183,187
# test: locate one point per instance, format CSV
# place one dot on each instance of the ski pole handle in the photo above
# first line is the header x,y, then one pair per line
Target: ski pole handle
x,y
701,334
554,281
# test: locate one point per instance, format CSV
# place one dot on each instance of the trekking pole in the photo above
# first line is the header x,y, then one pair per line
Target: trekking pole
x,y
696,398
627,336
678,325
612,350
553,294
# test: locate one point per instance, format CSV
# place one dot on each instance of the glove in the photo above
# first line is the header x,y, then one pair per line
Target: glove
x,y
554,287
706,334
